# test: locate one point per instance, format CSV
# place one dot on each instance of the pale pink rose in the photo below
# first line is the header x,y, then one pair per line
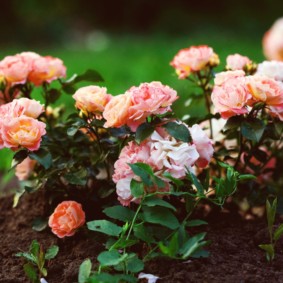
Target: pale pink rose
x,y
24,169
172,156
203,145
123,190
92,99
14,69
130,154
22,132
192,59
276,112
237,62
31,107
46,69
222,77
116,112
67,217
11,110
231,98
147,99
271,69
273,41
29,57
266,90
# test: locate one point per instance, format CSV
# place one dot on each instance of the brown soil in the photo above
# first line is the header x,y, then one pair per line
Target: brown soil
x,y
234,252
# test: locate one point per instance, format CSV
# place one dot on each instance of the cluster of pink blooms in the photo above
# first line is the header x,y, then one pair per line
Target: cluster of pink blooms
x,y
193,59
131,108
164,154
19,127
273,41
234,93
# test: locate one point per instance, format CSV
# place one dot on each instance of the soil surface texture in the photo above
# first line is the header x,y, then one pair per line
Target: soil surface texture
x,y
234,253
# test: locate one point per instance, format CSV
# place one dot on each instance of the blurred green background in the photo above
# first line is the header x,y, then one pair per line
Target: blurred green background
x,y
130,42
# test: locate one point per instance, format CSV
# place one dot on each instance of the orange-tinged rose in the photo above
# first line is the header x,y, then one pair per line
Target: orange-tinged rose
x,y
22,132
67,217
116,112
31,107
92,99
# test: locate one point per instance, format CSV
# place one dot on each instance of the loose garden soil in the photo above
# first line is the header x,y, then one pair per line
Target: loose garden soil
x,y
234,253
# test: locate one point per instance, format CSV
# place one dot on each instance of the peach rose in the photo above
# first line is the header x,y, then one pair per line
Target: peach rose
x,y
193,59
25,169
273,41
14,69
116,112
92,99
266,90
22,132
46,69
67,217
231,98
12,109
222,77
237,62
31,107
147,99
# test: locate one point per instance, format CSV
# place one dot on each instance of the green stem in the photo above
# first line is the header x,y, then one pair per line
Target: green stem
x,y
134,219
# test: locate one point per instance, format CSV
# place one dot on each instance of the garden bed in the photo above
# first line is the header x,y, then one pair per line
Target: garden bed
x,y
234,253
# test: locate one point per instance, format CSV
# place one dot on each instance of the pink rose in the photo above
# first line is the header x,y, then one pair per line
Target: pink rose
x,y
46,69
231,98
67,217
92,99
221,78
237,62
123,190
172,156
14,69
193,59
147,99
277,112
273,41
203,145
25,169
31,107
22,132
116,112
266,90
11,110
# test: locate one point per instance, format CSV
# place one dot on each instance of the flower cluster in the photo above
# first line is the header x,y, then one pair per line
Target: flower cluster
x,y
19,127
194,59
165,154
237,62
31,67
234,93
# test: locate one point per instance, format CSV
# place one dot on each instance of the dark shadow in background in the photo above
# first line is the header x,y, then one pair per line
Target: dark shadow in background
x,y
52,22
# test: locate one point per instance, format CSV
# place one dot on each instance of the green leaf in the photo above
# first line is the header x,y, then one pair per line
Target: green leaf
x,y
271,212
84,271
245,177
110,258
120,213
30,271
27,256
143,233
72,131
143,131
192,177
155,201
20,156
39,224
160,215
35,248
144,171
196,222
172,248
108,278
53,95
43,157
176,181
89,76
253,129
193,245
51,252
178,131
269,251
105,226
137,188
134,264
77,178
278,233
